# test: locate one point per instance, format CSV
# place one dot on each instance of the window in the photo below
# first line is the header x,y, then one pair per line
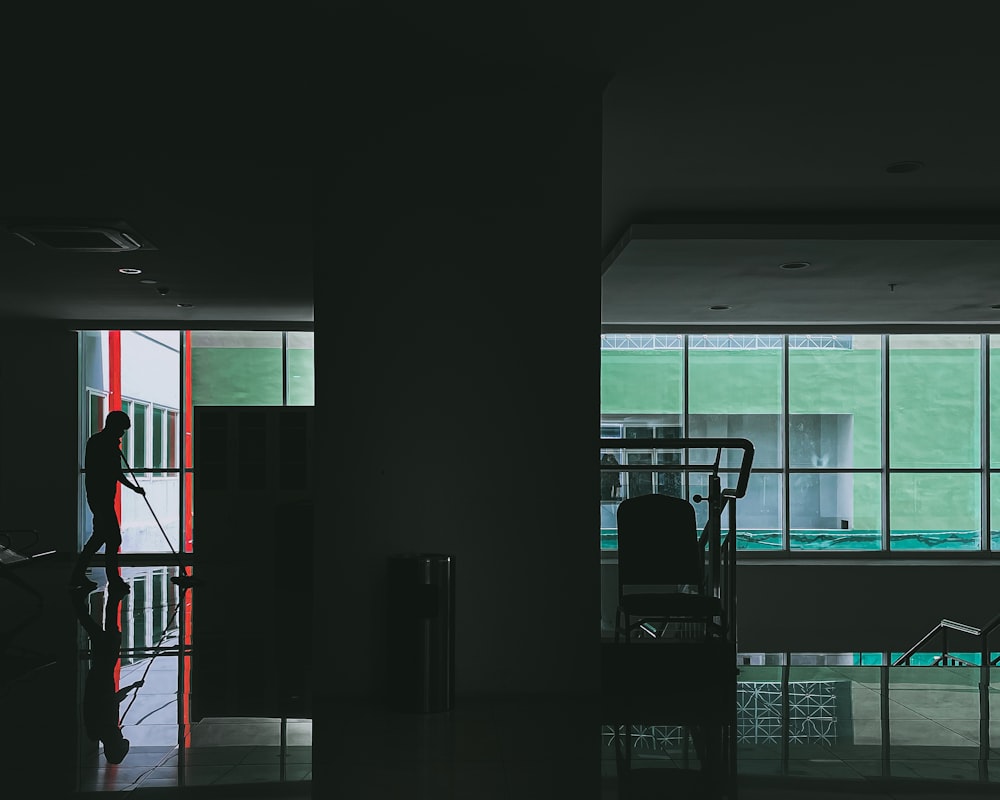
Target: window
x,y
160,376
97,404
862,442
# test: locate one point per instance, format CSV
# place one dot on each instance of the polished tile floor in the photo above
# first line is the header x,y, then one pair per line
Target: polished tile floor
x,y
806,726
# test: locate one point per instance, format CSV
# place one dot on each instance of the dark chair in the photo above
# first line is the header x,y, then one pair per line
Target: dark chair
x,y
661,571
16,547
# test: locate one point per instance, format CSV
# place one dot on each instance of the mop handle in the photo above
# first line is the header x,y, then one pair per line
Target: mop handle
x,y
145,672
150,507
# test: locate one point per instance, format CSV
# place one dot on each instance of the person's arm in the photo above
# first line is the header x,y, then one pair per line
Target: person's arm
x,y
122,693
135,487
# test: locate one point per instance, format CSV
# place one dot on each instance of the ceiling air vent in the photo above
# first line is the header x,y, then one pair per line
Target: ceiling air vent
x,y
81,237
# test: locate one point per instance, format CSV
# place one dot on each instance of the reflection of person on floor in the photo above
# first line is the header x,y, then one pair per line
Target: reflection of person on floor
x,y
100,698
103,467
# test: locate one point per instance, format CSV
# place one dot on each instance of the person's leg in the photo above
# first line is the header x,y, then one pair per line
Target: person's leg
x,y
93,544
112,543
78,576
107,533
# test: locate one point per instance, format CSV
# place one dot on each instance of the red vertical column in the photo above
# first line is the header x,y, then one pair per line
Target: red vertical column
x,y
115,391
187,545
187,446
115,404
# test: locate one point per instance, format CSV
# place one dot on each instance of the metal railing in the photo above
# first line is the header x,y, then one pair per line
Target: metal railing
x,y
940,631
721,552
947,659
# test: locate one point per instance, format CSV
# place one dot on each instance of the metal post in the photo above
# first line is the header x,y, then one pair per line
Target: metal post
x,y
715,526
884,716
984,701
786,723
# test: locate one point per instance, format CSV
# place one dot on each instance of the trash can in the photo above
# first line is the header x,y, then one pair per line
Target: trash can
x,y
421,632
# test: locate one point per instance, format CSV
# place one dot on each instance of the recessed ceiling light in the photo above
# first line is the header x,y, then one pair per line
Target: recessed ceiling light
x,y
130,271
148,281
794,265
904,166
719,308
185,305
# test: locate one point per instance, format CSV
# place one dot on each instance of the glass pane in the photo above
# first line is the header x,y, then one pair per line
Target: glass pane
x,y
925,705
158,448
139,435
934,401
835,511
835,401
636,483
141,523
172,439
148,364
301,368
994,356
642,375
763,431
758,514
934,511
236,368
736,390
995,512
127,435
97,414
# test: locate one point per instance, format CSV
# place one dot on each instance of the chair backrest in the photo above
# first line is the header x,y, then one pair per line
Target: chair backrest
x,y
658,542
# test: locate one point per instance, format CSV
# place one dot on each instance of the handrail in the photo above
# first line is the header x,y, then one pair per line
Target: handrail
x,y
705,443
946,625
721,566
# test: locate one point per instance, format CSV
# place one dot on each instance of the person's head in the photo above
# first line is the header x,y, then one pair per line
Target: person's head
x,y
117,422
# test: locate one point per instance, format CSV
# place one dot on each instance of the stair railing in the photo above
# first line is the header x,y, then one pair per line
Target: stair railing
x,y
941,630
721,562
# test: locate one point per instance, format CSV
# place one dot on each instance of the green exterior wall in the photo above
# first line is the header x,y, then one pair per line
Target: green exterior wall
x,y
236,376
934,419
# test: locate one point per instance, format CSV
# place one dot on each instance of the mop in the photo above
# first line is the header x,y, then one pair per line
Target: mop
x,y
157,650
184,581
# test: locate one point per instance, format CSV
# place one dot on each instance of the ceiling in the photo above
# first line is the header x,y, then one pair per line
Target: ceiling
x,y
736,142
186,127
230,241
732,143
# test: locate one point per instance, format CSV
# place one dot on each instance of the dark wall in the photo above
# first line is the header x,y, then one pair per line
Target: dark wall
x,y
860,608
39,476
40,465
457,322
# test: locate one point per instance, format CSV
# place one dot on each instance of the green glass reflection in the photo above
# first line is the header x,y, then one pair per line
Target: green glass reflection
x,y
642,381
236,368
934,511
835,405
737,393
301,368
994,356
835,511
994,512
759,513
934,401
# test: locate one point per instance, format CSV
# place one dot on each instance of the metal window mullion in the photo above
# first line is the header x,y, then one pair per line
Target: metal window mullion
x,y
284,368
181,420
984,443
686,407
786,523
886,538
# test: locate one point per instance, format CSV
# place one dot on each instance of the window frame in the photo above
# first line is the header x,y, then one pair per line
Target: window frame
x,y
662,337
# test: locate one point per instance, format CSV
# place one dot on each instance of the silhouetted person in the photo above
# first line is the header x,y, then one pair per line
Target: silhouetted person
x,y
101,700
103,465
611,482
